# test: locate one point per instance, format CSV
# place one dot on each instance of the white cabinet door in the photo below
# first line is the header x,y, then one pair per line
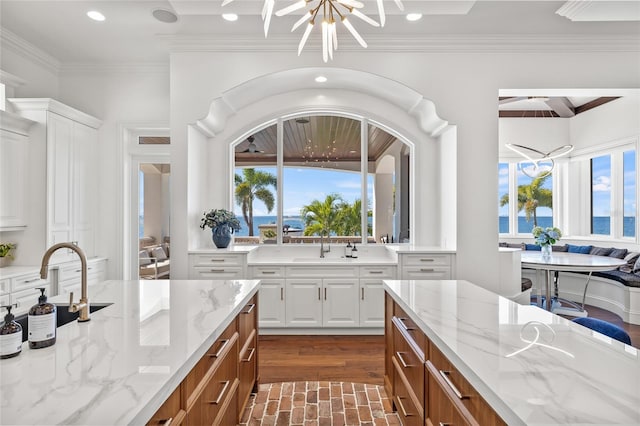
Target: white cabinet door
x,y
340,306
371,303
59,180
303,302
272,303
13,163
84,184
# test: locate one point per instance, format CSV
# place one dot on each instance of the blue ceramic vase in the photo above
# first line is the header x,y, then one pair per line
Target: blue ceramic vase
x,y
221,236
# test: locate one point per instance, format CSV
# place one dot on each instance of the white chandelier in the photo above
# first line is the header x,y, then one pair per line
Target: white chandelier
x,y
331,11
543,164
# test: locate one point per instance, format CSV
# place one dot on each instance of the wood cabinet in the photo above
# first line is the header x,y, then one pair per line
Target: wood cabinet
x,y
218,387
423,384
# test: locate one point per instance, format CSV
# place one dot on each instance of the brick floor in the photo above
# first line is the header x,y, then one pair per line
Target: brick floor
x,y
319,403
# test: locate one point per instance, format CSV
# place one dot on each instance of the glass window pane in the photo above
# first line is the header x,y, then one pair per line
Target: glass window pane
x,y
255,190
503,198
629,167
535,201
601,195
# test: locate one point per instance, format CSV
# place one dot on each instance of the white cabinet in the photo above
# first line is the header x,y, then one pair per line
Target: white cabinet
x,y
303,302
70,276
371,303
65,143
272,303
426,266
217,266
14,174
21,290
340,306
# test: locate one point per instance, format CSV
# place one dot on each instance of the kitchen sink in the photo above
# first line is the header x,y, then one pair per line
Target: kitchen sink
x,y
63,316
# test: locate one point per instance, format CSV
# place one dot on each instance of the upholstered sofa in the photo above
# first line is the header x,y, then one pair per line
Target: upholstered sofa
x,y
154,261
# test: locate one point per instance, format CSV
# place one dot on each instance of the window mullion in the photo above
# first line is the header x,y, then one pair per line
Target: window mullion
x,y
279,177
364,168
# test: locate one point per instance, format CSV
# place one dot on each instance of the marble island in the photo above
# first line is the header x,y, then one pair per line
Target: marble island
x,y
121,366
531,366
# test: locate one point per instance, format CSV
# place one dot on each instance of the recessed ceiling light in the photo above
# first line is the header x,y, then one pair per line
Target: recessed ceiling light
x,y
321,79
414,16
164,15
95,15
231,17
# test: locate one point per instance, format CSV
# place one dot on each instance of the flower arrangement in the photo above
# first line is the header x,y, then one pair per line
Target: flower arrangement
x,y
5,250
217,217
546,236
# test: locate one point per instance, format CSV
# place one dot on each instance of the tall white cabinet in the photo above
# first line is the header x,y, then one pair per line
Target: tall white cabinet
x,y
64,165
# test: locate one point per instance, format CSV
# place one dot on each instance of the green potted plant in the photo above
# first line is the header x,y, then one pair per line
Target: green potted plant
x,y
222,223
5,253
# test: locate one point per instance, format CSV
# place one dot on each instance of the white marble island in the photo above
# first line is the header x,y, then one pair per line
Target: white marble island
x,y
579,377
119,367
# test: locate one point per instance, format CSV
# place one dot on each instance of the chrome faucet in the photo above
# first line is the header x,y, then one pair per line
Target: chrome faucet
x,y
83,306
322,249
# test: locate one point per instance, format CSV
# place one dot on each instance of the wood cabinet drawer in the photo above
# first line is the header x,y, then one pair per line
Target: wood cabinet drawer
x,y
408,411
472,401
377,271
443,405
217,259
218,273
411,329
426,260
267,271
221,386
28,281
217,351
248,320
426,273
171,412
247,371
409,363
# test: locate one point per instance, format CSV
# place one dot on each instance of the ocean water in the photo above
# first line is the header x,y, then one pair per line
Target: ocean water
x,y
601,225
293,221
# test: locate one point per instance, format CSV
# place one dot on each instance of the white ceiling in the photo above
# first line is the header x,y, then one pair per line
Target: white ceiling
x,y
131,35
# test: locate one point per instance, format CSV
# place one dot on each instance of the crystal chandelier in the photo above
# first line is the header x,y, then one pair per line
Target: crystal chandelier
x,y
332,10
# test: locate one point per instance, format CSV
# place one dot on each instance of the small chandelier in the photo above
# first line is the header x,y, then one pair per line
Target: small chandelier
x,y
332,10
542,165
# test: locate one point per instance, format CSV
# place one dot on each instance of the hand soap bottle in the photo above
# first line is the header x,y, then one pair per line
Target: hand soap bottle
x,y
354,251
10,336
347,249
42,323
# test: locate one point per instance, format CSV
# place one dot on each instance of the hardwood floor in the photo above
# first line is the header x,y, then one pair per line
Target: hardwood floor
x,y
357,359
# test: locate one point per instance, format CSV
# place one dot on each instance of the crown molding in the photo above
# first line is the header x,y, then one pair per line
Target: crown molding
x,y
10,80
116,68
571,9
11,41
47,104
462,43
14,123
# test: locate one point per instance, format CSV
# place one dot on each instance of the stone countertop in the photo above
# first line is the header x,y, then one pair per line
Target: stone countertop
x,y
119,367
573,376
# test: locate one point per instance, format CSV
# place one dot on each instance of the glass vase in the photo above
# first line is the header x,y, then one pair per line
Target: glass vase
x,y
546,251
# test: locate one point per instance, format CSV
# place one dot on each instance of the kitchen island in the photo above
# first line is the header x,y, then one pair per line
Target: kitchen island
x,y
122,365
486,357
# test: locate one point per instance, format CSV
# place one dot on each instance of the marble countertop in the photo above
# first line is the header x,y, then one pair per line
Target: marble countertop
x,y
119,367
572,376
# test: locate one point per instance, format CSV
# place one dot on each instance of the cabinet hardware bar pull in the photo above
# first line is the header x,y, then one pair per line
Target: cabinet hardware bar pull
x,y
281,293
427,270
216,270
362,293
33,280
253,350
427,260
402,320
404,412
251,306
217,260
402,361
166,422
375,272
319,298
325,293
224,345
445,376
268,272
444,424
218,400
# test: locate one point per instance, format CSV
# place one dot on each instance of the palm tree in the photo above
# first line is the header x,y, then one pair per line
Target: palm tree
x,y
321,217
532,196
251,185
349,218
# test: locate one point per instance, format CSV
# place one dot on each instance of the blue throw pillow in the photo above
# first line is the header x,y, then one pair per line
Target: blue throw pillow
x,y
532,247
578,249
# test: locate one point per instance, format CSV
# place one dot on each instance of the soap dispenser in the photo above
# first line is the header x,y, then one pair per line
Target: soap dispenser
x,y
354,251
347,249
42,323
10,336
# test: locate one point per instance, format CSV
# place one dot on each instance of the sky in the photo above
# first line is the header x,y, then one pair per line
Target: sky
x,y
302,185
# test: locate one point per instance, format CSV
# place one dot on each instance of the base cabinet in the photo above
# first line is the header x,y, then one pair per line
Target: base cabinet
x,y
218,387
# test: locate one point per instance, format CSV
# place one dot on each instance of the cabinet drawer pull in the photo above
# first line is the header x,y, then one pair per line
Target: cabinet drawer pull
x,y
31,280
376,272
402,361
281,293
404,412
248,359
402,321
445,376
362,289
444,424
427,260
325,293
217,260
319,297
166,422
427,270
217,271
251,306
222,346
218,400
268,272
